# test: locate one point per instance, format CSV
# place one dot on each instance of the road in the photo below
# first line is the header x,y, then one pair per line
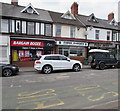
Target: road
x,y
87,89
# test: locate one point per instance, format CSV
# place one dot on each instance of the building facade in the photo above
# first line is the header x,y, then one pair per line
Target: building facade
x,y
69,34
28,32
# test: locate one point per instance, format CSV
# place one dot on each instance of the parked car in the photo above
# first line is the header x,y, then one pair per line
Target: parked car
x,y
8,69
51,62
102,58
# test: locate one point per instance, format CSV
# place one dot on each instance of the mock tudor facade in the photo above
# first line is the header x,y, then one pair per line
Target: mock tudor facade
x,y
27,33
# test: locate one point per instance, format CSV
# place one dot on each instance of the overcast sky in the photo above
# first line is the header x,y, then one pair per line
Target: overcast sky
x,y
101,8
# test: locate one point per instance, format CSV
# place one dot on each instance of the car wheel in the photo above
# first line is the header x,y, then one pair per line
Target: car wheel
x,y
101,66
76,67
7,72
93,67
47,69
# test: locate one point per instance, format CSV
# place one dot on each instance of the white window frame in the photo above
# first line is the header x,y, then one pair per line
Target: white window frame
x,y
42,29
37,28
72,31
97,34
18,28
24,27
30,28
58,31
48,28
4,22
108,35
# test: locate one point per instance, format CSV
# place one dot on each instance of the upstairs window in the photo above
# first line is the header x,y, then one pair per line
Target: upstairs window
x,y
4,25
72,31
42,28
30,28
18,26
108,35
30,9
92,18
58,31
48,29
37,28
97,34
114,38
68,15
24,27
12,26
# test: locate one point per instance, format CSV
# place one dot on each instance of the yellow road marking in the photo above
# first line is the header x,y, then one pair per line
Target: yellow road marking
x,y
89,107
87,88
41,105
90,98
32,95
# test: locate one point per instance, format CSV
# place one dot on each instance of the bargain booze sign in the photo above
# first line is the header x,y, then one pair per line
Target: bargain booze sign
x,y
27,43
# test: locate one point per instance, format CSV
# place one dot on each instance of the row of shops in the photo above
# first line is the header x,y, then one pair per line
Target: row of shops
x,y
24,51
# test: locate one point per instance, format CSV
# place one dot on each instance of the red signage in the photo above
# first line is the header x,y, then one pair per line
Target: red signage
x,y
27,43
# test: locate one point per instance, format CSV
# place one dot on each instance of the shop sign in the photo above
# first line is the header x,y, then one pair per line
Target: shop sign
x,y
71,43
27,43
102,45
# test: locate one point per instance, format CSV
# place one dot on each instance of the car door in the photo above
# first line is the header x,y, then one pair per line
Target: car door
x,y
56,63
110,59
65,62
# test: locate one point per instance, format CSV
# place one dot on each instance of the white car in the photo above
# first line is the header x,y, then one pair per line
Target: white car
x,y
49,63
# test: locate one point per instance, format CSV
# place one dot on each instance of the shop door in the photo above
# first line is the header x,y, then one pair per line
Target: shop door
x,y
66,52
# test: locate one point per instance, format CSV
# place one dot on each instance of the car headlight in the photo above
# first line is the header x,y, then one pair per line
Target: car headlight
x,y
14,67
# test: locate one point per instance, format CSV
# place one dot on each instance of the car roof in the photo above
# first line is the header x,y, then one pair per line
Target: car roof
x,y
53,55
98,50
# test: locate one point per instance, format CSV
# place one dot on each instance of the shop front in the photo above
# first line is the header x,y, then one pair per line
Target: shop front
x,y
105,46
72,49
25,51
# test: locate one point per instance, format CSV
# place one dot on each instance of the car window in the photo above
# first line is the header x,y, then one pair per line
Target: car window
x,y
112,56
63,58
55,58
52,58
47,58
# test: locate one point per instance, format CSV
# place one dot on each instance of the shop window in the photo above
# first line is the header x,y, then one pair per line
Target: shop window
x,y
24,27
26,55
30,28
18,26
72,31
72,51
42,29
4,25
48,30
58,31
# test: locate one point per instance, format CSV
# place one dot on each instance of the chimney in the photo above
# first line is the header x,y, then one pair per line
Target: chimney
x,y
74,8
111,16
14,2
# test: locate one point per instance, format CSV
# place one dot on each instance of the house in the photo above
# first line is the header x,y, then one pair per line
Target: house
x,y
26,33
100,33
69,34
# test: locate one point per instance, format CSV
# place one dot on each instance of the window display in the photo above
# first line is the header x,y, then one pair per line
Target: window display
x,y
72,51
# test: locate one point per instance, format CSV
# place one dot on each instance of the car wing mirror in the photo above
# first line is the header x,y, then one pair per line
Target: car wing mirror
x,y
68,60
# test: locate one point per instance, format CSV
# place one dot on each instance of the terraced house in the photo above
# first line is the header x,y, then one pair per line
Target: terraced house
x,y
28,32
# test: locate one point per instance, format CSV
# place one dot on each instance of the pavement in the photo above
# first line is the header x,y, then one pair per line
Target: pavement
x,y
31,69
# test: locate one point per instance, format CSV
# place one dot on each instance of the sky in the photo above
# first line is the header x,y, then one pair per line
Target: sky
x,y
101,8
